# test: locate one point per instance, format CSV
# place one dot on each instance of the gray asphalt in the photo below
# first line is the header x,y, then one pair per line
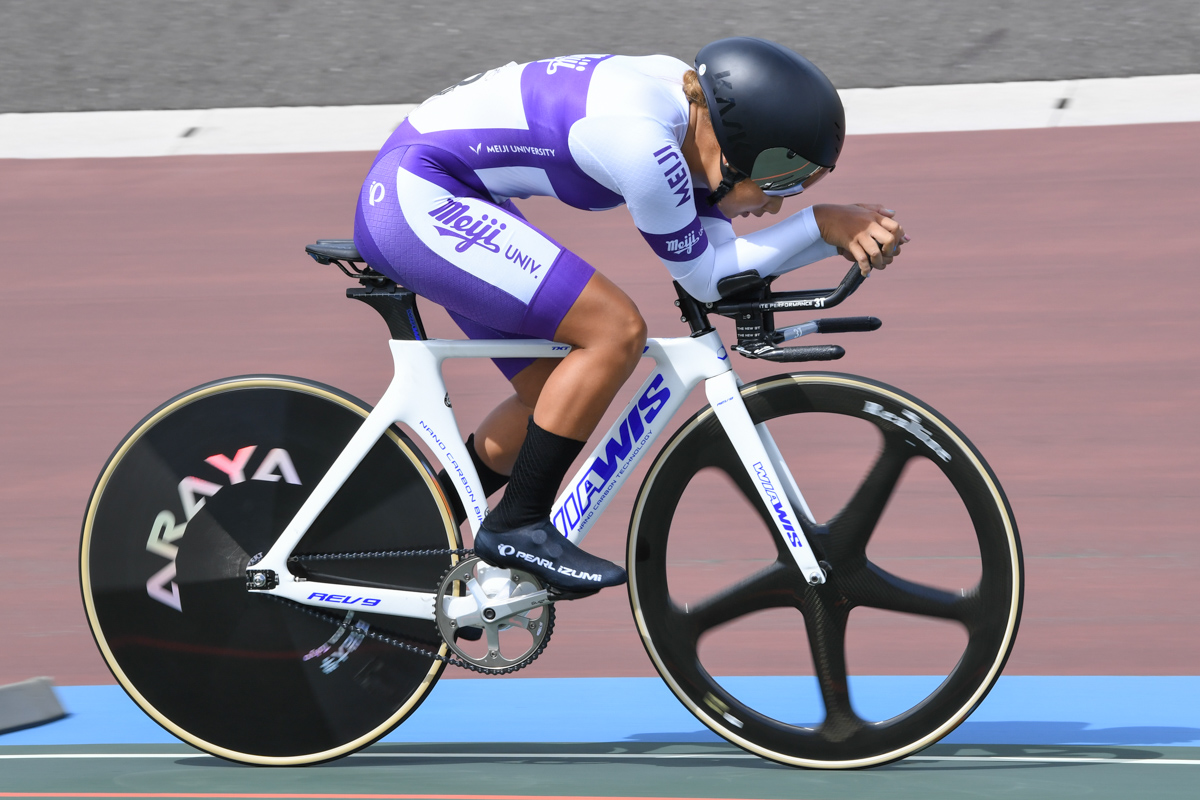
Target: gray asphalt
x,y
67,55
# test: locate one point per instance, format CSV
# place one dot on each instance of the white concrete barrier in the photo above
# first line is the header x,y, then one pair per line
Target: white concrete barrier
x,y
315,129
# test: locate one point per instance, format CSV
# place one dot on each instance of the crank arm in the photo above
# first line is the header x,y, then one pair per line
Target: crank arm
x,y
469,612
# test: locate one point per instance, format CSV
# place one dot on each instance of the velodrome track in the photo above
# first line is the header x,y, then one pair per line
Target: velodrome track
x,y
1046,305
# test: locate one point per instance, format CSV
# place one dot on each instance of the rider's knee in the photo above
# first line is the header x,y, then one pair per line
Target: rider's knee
x,y
629,334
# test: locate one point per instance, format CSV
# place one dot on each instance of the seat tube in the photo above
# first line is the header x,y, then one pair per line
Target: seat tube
x,y
416,397
726,401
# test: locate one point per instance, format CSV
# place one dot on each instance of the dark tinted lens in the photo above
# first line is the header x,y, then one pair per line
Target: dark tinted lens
x,y
779,169
800,187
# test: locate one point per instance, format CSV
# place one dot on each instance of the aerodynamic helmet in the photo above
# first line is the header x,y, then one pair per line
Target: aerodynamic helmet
x,y
777,118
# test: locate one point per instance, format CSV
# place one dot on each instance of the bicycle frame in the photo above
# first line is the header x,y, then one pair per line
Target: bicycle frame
x,y
417,399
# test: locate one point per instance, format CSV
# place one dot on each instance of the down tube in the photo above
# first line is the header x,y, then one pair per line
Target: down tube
x,y
610,464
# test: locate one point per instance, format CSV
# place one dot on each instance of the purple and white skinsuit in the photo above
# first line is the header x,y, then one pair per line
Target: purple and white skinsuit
x,y
435,212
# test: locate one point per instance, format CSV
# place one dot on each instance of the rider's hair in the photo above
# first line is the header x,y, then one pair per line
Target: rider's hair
x,y
691,88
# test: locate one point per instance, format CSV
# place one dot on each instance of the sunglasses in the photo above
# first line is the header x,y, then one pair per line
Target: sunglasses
x,y
780,172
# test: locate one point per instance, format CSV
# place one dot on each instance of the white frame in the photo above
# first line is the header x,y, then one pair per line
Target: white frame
x,y
417,399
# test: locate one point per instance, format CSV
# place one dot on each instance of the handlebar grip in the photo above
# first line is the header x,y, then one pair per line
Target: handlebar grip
x,y
818,352
847,324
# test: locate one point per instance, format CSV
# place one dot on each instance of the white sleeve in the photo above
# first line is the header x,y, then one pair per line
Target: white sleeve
x,y
640,160
789,244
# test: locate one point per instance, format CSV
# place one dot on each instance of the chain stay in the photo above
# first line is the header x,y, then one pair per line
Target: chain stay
x,y
419,648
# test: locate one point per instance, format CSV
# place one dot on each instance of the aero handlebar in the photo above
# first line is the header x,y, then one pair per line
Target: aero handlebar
x,y
792,301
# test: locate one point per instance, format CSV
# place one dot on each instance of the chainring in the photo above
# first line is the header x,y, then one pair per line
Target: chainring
x,y
526,632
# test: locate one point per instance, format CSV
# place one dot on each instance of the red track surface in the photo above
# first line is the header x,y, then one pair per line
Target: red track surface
x,y
1047,305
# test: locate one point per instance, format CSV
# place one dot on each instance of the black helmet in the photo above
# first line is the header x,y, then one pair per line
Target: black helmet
x,y
778,119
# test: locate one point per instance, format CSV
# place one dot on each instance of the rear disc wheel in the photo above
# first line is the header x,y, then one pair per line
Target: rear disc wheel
x,y
201,486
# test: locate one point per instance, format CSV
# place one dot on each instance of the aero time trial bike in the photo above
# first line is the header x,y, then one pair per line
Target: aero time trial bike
x,y
272,570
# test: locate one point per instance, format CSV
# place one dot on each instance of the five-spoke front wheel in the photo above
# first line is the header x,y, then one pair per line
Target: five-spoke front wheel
x,y
924,538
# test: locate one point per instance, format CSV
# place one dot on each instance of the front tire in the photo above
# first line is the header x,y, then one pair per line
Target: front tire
x,y
678,628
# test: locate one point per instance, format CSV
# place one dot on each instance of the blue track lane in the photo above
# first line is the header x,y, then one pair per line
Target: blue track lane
x,y
1021,710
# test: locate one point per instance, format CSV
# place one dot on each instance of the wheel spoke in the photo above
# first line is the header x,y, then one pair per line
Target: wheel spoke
x,y
853,525
876,587
827,639
675,634
773,587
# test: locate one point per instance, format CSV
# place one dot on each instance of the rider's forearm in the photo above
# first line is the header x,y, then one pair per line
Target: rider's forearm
x,y
778,248
786,245
814,252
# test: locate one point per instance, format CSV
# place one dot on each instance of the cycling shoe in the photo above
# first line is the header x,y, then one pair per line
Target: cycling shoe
x,y
542,551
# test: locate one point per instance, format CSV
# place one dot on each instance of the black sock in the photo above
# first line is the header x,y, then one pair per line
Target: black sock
x,y
542,463
492,482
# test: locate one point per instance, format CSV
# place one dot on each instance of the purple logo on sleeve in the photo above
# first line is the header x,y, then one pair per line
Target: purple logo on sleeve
x,y
675,172
682,245
577,63
463,226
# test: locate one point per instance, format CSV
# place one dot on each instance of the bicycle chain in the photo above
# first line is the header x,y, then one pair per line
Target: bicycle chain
x,y
394,639
380,554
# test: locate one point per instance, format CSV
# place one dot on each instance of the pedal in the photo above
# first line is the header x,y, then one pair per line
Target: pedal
x,y
470,634
557,594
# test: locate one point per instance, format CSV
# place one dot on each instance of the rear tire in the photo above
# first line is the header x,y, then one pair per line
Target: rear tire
x,y
198,488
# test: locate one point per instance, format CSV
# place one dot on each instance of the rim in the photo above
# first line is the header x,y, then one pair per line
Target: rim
x,y
327,393
716,707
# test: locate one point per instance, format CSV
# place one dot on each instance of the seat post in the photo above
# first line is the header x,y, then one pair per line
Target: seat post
x,y
397,306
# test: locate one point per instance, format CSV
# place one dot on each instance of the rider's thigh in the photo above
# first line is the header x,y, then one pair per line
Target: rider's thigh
x,y
511,367
604,318
448,242
497,275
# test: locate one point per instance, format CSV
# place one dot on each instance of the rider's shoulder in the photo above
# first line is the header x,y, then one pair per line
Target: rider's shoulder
x,y
655,74
645,87
656,66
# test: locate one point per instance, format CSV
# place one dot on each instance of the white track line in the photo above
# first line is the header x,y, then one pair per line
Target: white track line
x,y
312,129
630,756
1188,762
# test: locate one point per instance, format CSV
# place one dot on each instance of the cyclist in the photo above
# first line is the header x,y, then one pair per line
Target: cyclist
x,y
684,149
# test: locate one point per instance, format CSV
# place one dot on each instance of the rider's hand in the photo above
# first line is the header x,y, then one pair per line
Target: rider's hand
x,y
864,233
